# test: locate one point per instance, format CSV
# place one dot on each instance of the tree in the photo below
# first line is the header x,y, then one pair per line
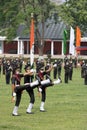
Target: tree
x,y
16,12
74,13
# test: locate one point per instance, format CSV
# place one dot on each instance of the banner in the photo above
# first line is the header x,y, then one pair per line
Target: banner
x,y
78,39
64,42
32,42
71,45
78,36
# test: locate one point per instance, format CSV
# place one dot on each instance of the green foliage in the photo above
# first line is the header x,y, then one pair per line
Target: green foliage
x,y
16,12
74,13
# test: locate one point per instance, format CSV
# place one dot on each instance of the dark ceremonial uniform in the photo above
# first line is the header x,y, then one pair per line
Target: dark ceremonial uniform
x,y
14,65
31,67
65,59
55,69
46,68
38,63
82,69
8,70
30,91
75,62
16,79
85,74
41,75
66,68
70,70
20,64
11,63
4,64
28,79
17,64
59,67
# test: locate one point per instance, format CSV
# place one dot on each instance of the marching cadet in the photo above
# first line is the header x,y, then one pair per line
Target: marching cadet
x,y
17,89
45,83
55,69
4,64
48,65
70,69
65,59
20,63
85,74
30,91
59,67
39,62
29,65
37,65
40,76
75,62
8,70
16,80
66,75
82,69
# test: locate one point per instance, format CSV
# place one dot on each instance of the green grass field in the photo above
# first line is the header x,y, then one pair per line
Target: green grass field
x,y
66,107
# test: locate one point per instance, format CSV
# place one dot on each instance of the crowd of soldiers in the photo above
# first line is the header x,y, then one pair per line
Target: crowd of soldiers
x,y
8,65
37,76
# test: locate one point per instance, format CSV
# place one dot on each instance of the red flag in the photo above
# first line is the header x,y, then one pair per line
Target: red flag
x,y
32,42
78,36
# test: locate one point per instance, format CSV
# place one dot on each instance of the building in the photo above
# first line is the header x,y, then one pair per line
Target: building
x,y
20,45
53,42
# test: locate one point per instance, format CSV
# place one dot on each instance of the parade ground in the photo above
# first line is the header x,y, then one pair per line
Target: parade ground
x,y
66,107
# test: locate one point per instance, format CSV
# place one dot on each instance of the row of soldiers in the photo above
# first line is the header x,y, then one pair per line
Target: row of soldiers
x,y
6,67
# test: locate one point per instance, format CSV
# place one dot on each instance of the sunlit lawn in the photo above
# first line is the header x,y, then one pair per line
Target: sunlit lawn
x,y
66,107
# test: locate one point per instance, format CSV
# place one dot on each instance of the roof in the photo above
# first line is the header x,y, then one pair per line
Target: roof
x,y
52,31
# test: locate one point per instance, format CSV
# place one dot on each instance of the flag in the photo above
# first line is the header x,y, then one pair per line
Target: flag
x,y
78,39
78,36
32,42
71,45
64,42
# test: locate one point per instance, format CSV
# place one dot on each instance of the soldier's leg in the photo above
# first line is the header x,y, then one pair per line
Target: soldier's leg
x,y
17,103
32,100
43,100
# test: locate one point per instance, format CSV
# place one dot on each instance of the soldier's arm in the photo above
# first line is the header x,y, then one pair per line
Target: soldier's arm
x,y
50,68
